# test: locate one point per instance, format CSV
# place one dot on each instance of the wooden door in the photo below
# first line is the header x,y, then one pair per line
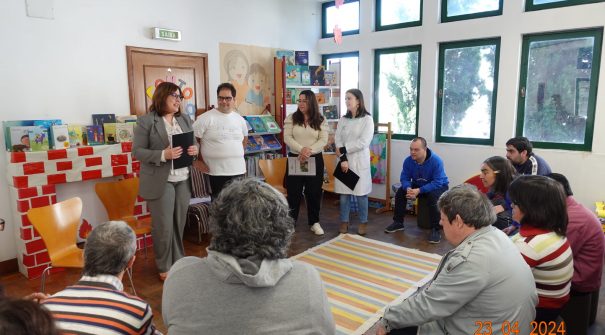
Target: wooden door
x,y
147,68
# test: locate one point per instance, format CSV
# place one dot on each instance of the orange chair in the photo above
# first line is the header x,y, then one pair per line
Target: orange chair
x,y
57,224
274,171
476,180
119,198
330,165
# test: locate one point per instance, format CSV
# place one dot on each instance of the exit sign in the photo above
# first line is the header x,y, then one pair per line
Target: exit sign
x,y
166,34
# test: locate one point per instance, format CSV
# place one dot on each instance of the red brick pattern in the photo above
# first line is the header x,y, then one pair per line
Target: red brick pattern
x,y
84,151
94,161
33,168
57,154
59,178
17,157
63,166
27,192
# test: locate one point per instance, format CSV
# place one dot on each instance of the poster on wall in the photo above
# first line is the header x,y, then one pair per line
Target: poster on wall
x,y
183,77
378,158
250,69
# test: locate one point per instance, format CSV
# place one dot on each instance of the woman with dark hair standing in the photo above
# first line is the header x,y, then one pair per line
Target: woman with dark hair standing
x,y
166,190
496,174
539,205
306,133
353,136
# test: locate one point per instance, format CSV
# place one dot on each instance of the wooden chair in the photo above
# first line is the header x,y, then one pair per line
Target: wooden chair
x,y
274,171
330,165
119,198
57,224
476,180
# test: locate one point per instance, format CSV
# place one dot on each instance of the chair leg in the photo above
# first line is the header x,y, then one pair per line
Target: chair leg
x,y
129,272
44,274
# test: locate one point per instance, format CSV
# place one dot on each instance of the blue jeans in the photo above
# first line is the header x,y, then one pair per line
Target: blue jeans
x,y
345,207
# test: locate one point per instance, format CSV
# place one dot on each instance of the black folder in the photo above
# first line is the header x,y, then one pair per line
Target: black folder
x,y
184,140
350,178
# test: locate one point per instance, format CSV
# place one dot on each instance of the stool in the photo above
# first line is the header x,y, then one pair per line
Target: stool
x,y
422,213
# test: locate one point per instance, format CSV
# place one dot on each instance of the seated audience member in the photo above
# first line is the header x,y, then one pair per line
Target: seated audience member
x,y
519,152
539,205
484,278
497,173
246,284
587,243
25,317
97,304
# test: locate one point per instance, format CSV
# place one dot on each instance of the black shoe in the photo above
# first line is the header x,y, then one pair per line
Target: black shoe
x,y
435,236
393,227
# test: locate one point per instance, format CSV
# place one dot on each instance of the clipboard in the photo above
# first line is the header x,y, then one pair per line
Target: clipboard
x,y
184,140
350,178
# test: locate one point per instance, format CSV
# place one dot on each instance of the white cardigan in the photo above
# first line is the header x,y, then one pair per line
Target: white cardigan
x,y
356,135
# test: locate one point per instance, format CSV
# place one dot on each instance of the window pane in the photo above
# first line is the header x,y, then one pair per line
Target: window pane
x,y
349,76
398,90
545,4
399,11
346,16
557,89
468,91
464,7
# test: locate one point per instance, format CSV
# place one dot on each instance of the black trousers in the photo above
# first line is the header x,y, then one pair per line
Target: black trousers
x,y
404,331
312,191
432,197
217,183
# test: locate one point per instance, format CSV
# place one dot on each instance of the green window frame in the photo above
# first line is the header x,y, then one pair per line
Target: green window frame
x,y
443,47
376,110
324,60
530,5
576,78
324,19
445,17
378,20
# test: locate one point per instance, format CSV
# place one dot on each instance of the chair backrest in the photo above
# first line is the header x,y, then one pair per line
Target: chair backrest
x,y
274,170
476,180
330,165
118,197
200,184
57,224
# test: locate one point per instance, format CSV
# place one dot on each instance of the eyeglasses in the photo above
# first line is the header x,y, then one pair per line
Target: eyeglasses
x,y
177,96
225,99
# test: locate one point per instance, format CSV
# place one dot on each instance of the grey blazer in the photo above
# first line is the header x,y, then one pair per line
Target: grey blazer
x,y
150,138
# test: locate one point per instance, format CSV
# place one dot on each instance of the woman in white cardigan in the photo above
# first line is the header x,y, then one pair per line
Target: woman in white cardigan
x,y
353,137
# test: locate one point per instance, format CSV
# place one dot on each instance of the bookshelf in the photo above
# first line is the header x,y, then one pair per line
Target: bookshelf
x,y
263,142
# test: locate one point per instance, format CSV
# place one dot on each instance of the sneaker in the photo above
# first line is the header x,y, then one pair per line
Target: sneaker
x,y
435,236
316,229
393,227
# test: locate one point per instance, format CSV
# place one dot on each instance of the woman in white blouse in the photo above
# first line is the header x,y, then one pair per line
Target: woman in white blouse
x,y
353,137
306,133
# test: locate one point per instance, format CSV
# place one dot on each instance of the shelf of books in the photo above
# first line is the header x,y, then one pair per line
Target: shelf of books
x,y
262,142
44,135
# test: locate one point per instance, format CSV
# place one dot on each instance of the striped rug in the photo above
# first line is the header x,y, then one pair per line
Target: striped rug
x,y
362,276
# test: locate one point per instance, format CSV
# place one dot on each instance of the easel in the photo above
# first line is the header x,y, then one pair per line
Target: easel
x,y
387,201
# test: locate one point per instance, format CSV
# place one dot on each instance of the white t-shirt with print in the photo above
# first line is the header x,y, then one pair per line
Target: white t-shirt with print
x,y
221,142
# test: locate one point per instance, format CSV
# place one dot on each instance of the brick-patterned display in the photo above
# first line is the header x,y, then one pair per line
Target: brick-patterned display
x,y
32,177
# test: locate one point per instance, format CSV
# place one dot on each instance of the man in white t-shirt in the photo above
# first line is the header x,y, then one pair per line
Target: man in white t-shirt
x,y
222,134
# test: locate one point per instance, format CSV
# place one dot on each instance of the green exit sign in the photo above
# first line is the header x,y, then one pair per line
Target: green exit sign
x,y
166,34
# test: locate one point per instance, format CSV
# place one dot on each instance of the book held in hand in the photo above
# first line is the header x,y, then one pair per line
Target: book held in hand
x,y
349,178
298,168
184,140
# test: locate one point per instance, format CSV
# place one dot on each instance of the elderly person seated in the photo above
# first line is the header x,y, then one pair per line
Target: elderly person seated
x,y
97,304
246,285
481,284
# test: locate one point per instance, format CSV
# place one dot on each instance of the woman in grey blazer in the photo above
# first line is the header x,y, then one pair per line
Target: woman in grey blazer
x,y
166,190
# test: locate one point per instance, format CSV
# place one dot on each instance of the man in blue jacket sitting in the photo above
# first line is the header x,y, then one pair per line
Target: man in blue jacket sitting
x,y
422,175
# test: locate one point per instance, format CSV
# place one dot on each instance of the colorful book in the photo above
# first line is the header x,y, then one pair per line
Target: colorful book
x,y
301,57
271,142
109,130
270,124
260,141
330,112
305,75
317,75
292,95
126,118
20,139
38,139
321,98
250,129
76,135
47,124
293,75
288,54
326,93
94,135
101,119
257,123
6,125
252,145
60,136
330,78
124,132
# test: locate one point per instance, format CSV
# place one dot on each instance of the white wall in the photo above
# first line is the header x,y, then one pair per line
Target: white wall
x,y
74,65
583,169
